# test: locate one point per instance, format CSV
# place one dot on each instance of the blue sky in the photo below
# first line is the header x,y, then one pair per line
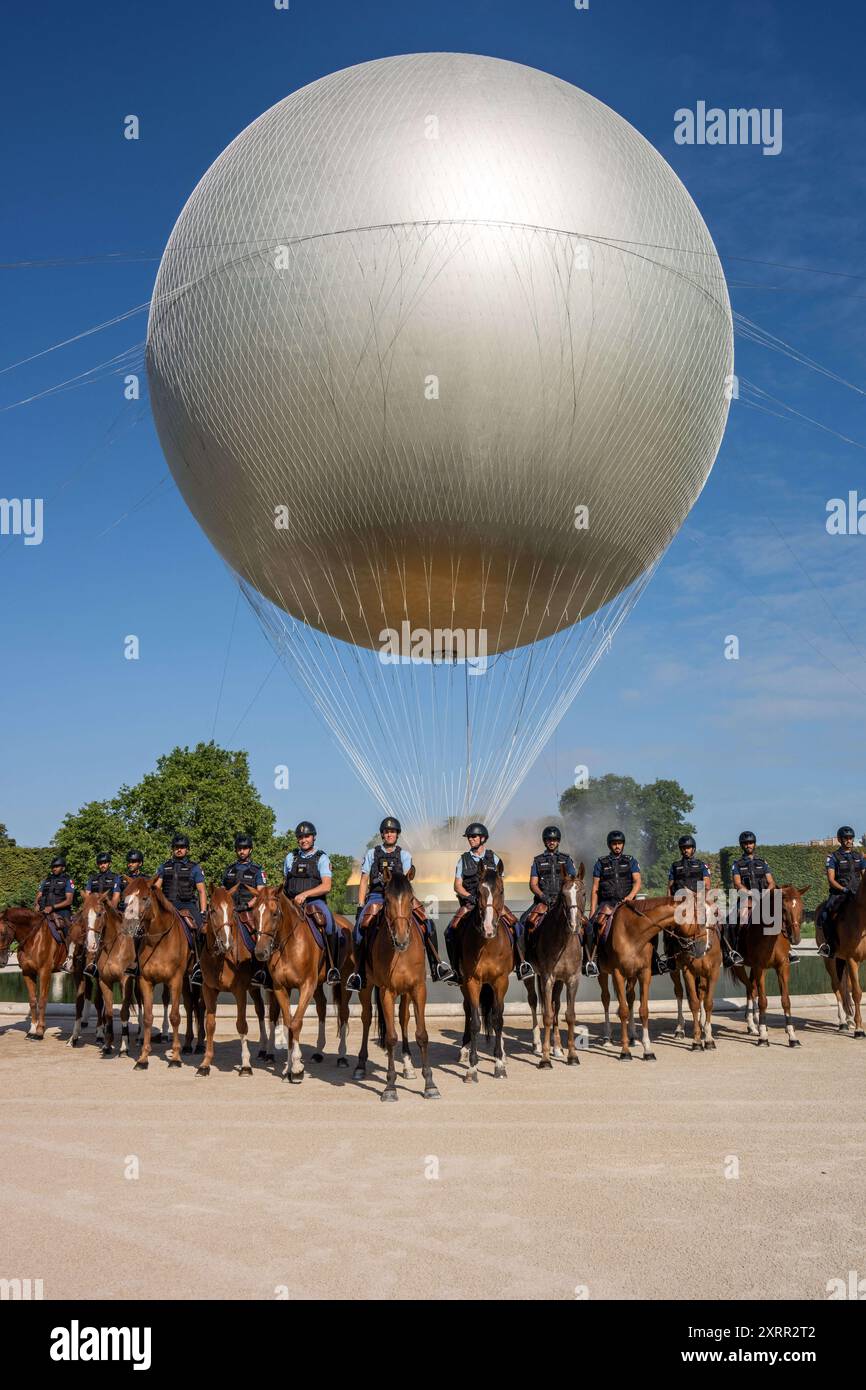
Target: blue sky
x,y
772,740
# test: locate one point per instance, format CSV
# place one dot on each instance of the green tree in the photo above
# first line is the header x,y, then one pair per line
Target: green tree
x,y
652,817
5,838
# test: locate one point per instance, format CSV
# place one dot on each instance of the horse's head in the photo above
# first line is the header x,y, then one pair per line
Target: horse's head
x,y
88,924
220,917
267,904
136,895
16,924
397,900
491,900
573,894
792,909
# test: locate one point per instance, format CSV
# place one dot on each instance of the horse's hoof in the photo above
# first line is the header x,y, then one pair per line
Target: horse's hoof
x,y
318,1057
107,1052
573,1061
389,1094
679,1032
409,1075
793,1042
859,1033
34,1037
245,1071
536,1048
342,1062
710,1046
358,1074
174,1061
500,1073
140,1066
201,1071
545,1064
296,1077
430,1093
73,1042
649,1057
762,1042
695,1047
625,1057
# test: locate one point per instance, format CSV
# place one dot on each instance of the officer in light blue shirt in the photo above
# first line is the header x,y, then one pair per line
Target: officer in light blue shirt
x,y
308,879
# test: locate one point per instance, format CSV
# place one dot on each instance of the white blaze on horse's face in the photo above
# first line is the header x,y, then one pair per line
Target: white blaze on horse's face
x,y
571,899
226,927
488,924
91,929
132,911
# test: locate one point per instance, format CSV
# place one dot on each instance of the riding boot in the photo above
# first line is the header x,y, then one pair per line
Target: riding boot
x,y
358,978
828,945
134,970
730,954
452,946
195,977
439,971
332,974
590,943
522,969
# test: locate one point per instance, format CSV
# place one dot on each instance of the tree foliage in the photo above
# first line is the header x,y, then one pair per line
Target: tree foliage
x,y
652,816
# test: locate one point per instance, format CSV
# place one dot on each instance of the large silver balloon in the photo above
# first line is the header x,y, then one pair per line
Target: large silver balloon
x,y
441,308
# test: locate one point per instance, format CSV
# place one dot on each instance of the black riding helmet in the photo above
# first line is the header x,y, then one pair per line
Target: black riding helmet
x,y
476,828
103,858
845,832
135,856
180,842
243,841
58,862
305,827
747,837
390,823
687,842
551,832
613,836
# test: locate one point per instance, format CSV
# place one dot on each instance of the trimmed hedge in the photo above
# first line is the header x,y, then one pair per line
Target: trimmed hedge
x,y
797,864
21,872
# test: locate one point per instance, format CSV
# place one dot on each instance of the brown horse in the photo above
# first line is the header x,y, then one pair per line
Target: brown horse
x,y
555,949
163,958
111,950
84,925
764,948
625,953
39,956
227,963
699,971
285,943
843,966
485,954
396,967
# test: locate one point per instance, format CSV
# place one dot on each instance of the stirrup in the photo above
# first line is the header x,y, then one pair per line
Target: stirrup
x,y
735,957
591,968
793,957
195,977
355,982
441,972
91,972
524,971
332,976
665,964
825,950
133,970
455,979
260,979
67,967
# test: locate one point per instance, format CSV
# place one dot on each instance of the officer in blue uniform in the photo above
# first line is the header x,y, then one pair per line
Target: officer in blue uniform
x,y
182,881
688,872
134,866
844,867
308,879
55,898
244,873
615,879
371,890
753,874
545,878
105,880
473,862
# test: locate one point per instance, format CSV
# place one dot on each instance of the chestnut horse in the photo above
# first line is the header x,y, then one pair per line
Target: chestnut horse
x,y
485,955
700,972
163,958
84,923
555,949
396,967
844,966
764,949
39,956
626,955
227,963
285,943
111,949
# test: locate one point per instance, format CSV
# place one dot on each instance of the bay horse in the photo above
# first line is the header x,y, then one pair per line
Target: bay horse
x,y
39,957
163,958
843,966
227,963
764,950
625,954
396,968
111,949
83,924
285,943
699,972
485,955
555,950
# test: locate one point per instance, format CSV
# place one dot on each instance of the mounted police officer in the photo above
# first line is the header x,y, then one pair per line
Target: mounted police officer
x,y
371,891
473,862
545,879
750,873
54,900
105,880
308,879
134,869
845,867
688,872
244,874
182,882
615,879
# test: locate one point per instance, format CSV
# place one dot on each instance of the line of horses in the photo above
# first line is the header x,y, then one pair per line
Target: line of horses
x,y
282,940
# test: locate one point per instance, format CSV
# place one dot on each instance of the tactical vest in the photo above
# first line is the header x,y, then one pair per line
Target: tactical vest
x,y
381,856
616,879
470,869
846,866
687,873
245,873
304,874
177,880
545,867
53,889
753,872
104,882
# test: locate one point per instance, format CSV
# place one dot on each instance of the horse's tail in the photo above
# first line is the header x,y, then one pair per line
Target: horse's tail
x,y
840,969
380,1017
486,1001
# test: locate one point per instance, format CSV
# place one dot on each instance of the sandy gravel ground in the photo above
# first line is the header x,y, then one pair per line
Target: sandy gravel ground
x,y
603,1180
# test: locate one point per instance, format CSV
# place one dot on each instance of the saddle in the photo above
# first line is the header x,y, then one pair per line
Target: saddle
x,y
58,926
247,927
535,916
604,915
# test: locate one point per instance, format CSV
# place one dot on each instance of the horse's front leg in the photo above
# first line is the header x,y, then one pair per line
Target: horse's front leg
x,y
108,1016
419,1005
80,985
547,1019
760,987
556,1039
44,989
604,986
341,996
296,1060
176,986
386,1003
856,995
619,985
33,1030
366,1017
677,981
646,1041
146,989
210,1002
473,996
408,1069
499,989
532,996
321,1014
695,1006
571,985
783,971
